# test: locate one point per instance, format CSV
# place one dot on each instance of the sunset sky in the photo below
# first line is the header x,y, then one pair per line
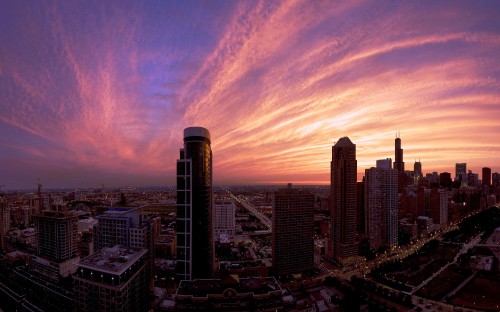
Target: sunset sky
x,y
99,92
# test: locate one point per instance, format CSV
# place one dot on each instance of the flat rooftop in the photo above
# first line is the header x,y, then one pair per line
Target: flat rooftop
x,y
205,287
120,210
113,260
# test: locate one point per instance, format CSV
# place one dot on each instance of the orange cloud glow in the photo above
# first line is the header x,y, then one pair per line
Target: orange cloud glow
x,y
101,94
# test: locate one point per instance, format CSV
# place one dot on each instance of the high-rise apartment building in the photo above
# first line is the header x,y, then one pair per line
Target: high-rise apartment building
x,y
224,220
360,207
343,242
122,226
423,201
126,227
486,176
57,235
113,279
439,206
195,244
293,231
384,163
381,206
57,244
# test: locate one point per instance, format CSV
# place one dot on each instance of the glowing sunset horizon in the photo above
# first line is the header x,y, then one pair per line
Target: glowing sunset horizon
x,y
99,93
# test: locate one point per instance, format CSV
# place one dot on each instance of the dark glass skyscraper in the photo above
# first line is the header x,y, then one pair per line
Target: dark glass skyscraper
x,y
445,179
398,153
194,206
486,176
399,164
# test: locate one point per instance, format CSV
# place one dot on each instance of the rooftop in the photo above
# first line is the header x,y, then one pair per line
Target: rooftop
x,y
113,260
205,287
196,132
344,142
58,215
120,210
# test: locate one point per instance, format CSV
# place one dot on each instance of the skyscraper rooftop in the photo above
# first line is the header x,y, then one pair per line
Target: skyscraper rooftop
x,y
196,132
344,141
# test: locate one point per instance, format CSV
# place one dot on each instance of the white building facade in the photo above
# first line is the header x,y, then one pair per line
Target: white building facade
x,y
224,220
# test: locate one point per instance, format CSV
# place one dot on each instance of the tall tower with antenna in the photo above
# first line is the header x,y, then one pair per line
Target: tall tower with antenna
x,y
398,151
399,164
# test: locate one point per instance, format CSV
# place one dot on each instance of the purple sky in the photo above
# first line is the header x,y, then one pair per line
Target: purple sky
x,y
98,92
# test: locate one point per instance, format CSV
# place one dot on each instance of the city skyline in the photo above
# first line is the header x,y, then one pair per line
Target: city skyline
x,y
99,93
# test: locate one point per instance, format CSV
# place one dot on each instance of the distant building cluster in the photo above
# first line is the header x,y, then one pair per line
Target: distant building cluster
x,y
396,206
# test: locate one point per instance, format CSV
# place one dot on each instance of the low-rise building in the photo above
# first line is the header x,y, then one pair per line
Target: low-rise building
x,y
229,292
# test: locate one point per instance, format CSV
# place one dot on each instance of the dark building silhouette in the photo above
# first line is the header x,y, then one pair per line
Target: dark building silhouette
x,y
461,171
343,242
495,177
445,179
423,201
398,160
293,231
360,204
407,204
399,164
486,176
472,179
194,207
417,170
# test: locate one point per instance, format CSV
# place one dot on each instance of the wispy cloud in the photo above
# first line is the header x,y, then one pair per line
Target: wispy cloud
x,y
111,87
